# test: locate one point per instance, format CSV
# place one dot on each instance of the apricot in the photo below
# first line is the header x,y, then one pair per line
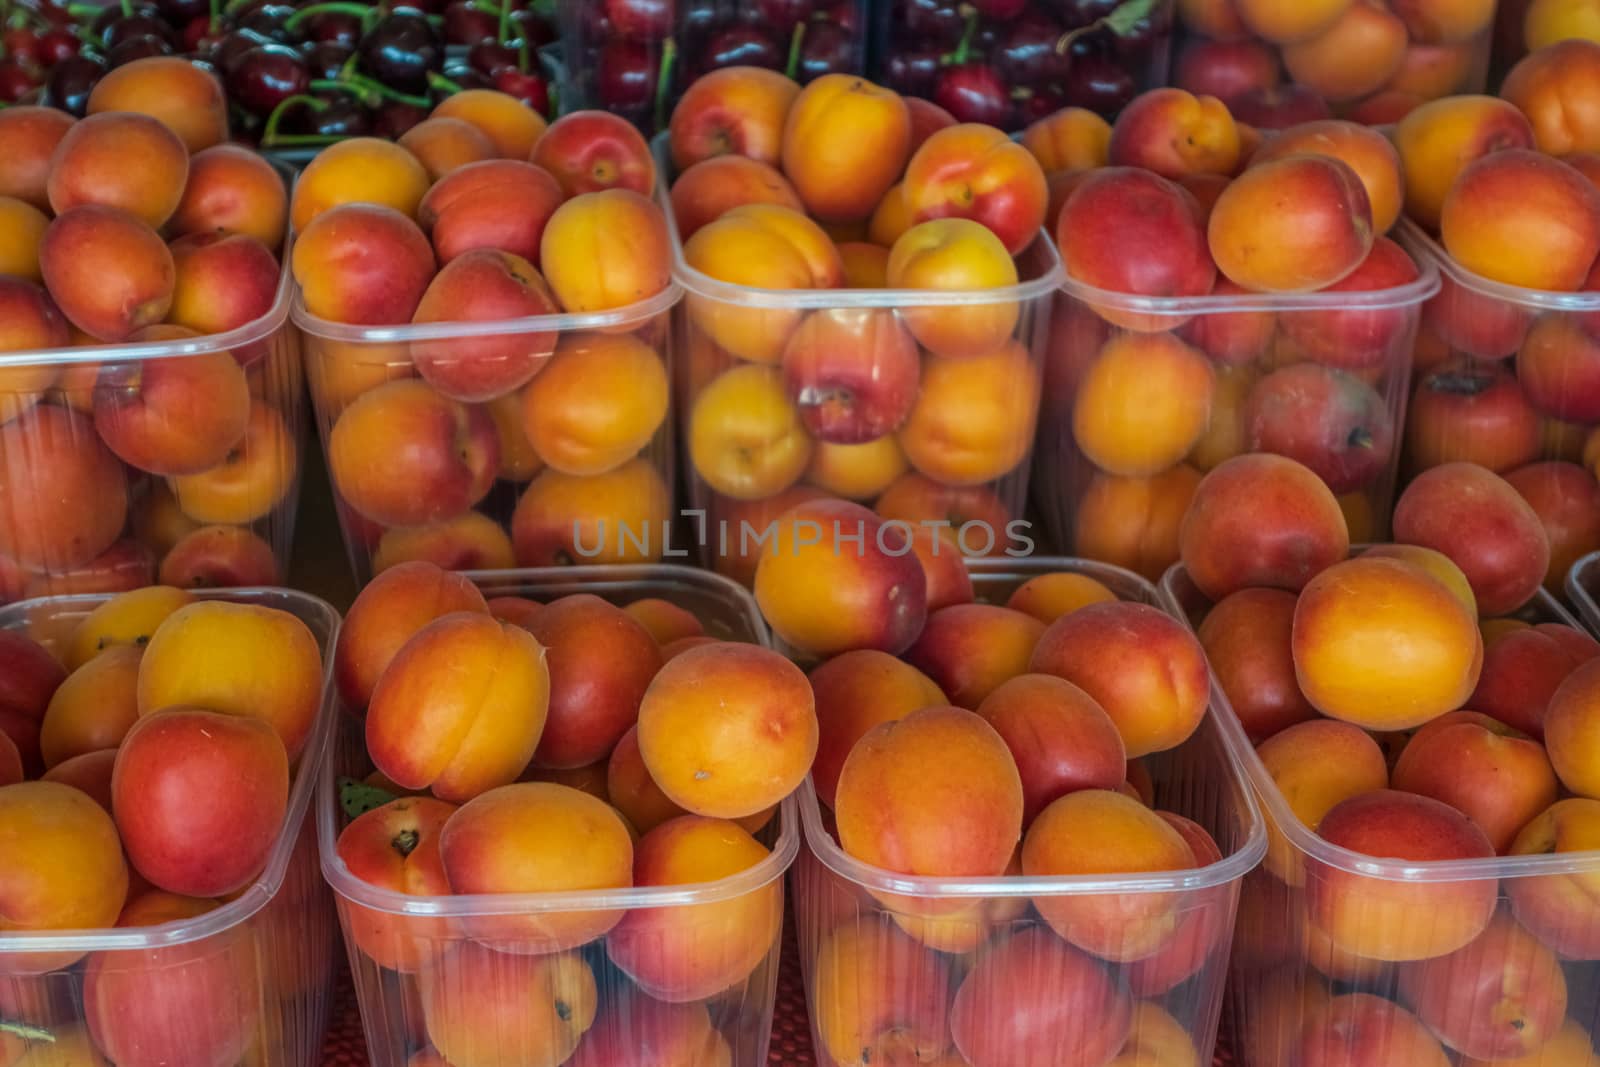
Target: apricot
x,y
396,847
857,472
1477,519
894,772
663,620
1439,139
1261,520
443,144
1497,777
1523,192
94,708
746,439
1522,669
120,160
970,649
1071,139
1098,831
1142,404
1326,419
484,285
1246,637
739,111
728,730
620,516
606,250
1569,1044
855,691
853,374
1362,1028
31,135
1465,410
596,151
108,271
24,226
392,608
879,993
364,170
537,837
891,218
1566,499
1317,764
1551,86
1569,728
1175,133
684,954
598,402
955,255
52,464
707,189
173,416
1371,155
1134,522
232,190
469,541
636,1031
843,124
501,1010
1383,644
511,126
1285,25
1327,63
186,99
1559,909
251,480
222,282
973,418
1060,737
32,324
1326,237
362,264
975,172
866,266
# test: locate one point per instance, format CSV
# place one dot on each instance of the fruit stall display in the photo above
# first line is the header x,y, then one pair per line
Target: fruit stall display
x,y
1025,843
1278,64
1178,342
489,352
1416,718
150,397
586,861
637,57
162,898
1508,355
1010,62
296,74
899,367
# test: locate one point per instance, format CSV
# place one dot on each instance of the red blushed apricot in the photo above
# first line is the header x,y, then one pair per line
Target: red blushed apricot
x,y
955,255
1174,133
443,144
684,954
512,126
470,541
396,847
1354,339
854,692
1362,1028
1135,522
51,464
592,151
881,996
663,620
126,161
1558,368
480,286
1566,499
1473,516
32,673
1144,668
1399,920
842,124
974,171
1570,725
1325,237
1047,597
1329,420
1522,669
108,271
933,794
1559,909
636,1031
1522,218
365,170
616,517
708,188
597,404
1474,412
1071,139
1281,25
970,649
173,416
944,566
502,1010
223,282
31,135
1553,87
1142,404
1231,337
1127,230
187,100
1355,56
1060,737
1261,520
1383,644
739,111
728,730
1316,765
1247,641
89,773
1426,72
1225,69
362,264
387,613
537,837
1440,138
233,190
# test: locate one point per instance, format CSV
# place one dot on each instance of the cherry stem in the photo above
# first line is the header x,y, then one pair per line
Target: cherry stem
x,y
486,7
127,9
963,50
341,7
669,58
503,31
380,90
1119,21
269,129
524,55
444,85
214,23
28,1033
796,40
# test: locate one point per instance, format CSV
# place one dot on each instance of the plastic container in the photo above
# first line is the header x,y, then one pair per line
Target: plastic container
x,y
1369,63
1501,381
103,492
476,493
451,976
1320,377
1284,966
952,449
1021,62
638,65
865,918
248,983
1583,590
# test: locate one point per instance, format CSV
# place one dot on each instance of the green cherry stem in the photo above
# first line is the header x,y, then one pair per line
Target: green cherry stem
x,y
444,85
341,7
669,58
796,39
269,129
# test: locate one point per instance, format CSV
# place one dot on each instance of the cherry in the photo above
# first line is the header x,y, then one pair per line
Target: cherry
x,y
741,46
72,80
142,23
342,117
21,45
178,12
827,49
55,14
266,76
56,45
465,23
137,48
17,80
531,27
325,59
395,117
468,78
778,13
335,27
1099,83
647,20
1038,105
491,57
402,50
1000,9
1027,54
844,15
196,37
626,74
934,22
269,21
233,47
526,86
699,19
973,92
913,70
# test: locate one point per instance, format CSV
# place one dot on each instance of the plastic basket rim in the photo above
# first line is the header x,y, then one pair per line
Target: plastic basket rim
x,y
1534,299
697,283
1231,868
780,857
1578,592
1411,294
266,885
1336,857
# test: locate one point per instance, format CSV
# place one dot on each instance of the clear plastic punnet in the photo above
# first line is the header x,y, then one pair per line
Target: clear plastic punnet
x,y
929,966
561,470
1494,960
502,980
1144,395
764,376
1583,590
246,983
172,459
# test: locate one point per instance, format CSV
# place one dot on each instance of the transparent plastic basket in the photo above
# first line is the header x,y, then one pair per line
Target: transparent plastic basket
x,y
1284,966
1320,377
454,974
174,502
247,983
867,919
461,484
1583,590
960,450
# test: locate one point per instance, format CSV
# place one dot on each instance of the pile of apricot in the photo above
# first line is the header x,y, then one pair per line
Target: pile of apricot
x,y
797,381
1410,706
489,449
137,227
570,747
146,758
